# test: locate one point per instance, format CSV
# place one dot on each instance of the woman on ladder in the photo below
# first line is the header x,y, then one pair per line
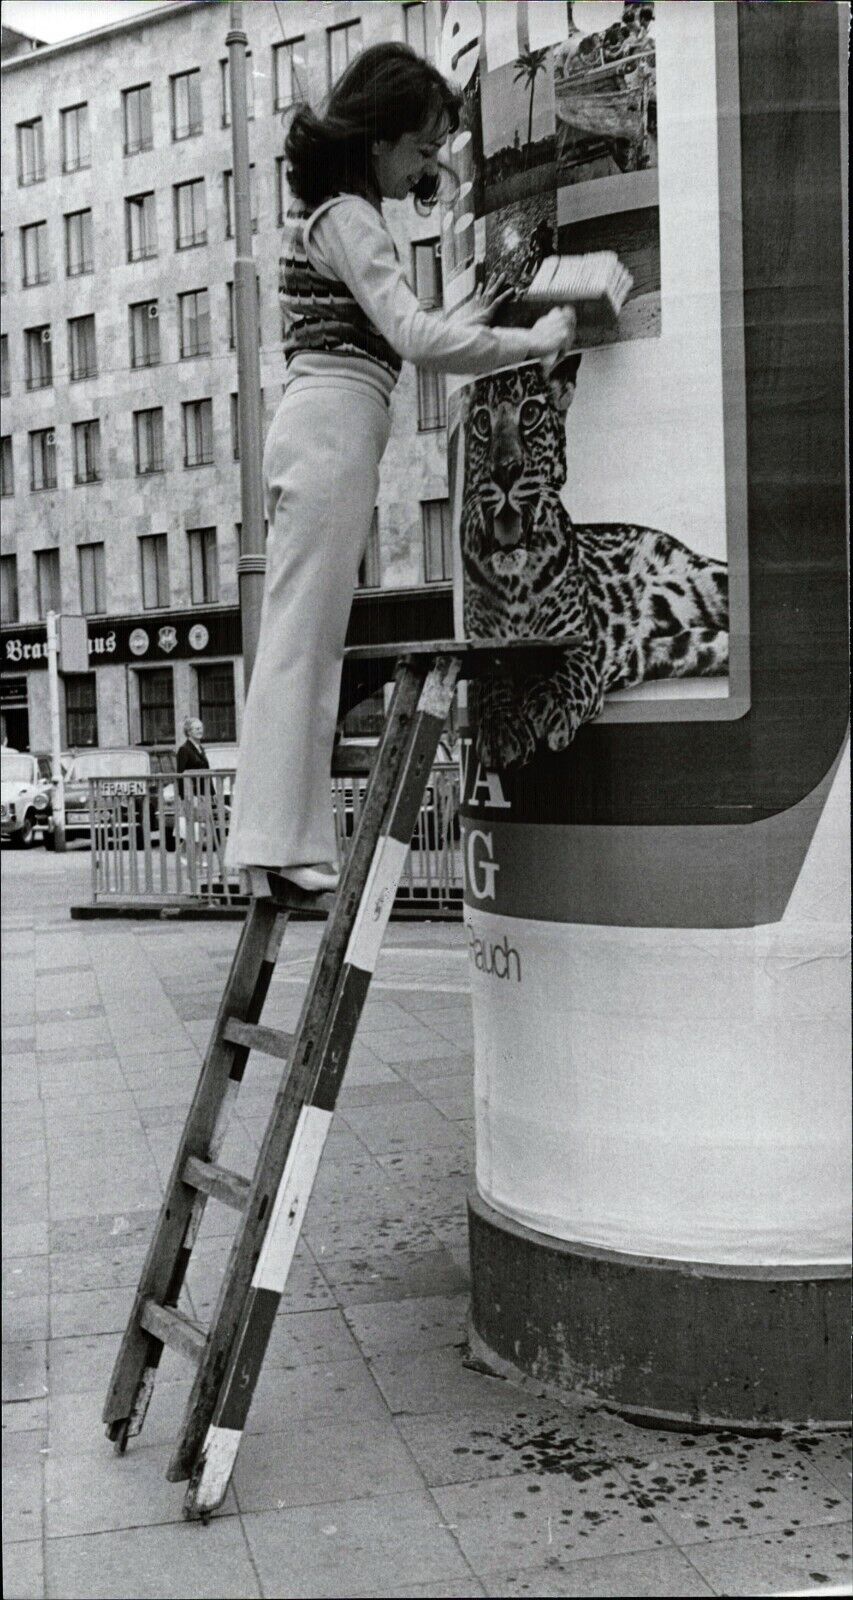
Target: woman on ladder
x,y
350,320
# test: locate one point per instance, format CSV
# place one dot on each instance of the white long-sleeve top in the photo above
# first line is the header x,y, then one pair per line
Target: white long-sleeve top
x,y
350,241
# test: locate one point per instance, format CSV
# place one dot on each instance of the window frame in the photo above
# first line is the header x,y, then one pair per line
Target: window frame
x,y
43,379
217,732
86,265
342,29
39,231
158,543
193,128
10,613
42,442
7,458
154,454
283,50
81,721
98,578
188,408
203,348
446,573
133,148
5,366
87,429
26,181
40,565
203,552
90,369
84,157
146,321
144,211
197,240
370,565
159,734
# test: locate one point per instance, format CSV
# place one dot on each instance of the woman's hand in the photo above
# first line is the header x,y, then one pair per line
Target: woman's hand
x,y
553,332
484,305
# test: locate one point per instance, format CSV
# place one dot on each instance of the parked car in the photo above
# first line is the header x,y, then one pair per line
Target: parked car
x,y
124,772
25,804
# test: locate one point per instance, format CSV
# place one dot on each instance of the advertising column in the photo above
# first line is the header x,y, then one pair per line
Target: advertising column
x,y
655,830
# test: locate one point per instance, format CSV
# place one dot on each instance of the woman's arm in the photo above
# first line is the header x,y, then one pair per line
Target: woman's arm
x,y
350,241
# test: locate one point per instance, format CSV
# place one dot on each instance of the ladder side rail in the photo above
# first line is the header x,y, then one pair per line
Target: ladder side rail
x,y
295,1092
168,1255
289,1161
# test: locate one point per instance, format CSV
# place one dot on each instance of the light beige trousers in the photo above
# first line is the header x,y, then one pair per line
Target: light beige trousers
x,y
321,478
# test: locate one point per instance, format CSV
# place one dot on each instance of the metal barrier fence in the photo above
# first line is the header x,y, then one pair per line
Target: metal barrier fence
x,y
160,840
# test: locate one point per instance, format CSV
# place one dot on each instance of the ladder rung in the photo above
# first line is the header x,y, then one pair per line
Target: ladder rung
x,y
229,1187
171,1327
272,1041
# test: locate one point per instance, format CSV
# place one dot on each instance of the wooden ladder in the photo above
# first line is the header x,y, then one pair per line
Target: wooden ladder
x,y
228,1355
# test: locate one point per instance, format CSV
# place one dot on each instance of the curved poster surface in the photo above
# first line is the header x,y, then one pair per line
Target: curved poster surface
x,y
655,829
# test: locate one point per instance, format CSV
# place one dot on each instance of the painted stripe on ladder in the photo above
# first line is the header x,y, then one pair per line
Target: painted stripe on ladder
x,y
386,870
218,1457
291,1202
256,1327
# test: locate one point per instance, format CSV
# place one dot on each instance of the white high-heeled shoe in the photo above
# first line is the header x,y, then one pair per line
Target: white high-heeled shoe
x,y
320,879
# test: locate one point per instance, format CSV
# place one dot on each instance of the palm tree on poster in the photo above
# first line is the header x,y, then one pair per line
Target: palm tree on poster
x,y
527,69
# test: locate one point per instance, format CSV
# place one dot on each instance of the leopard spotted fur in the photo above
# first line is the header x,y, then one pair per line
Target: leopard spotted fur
x,y
642,604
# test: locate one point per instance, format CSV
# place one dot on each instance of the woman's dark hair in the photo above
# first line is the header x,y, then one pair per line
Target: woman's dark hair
x,y
388,90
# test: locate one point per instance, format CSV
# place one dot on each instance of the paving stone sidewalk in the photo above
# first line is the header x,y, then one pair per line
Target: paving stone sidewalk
x,y
375,1463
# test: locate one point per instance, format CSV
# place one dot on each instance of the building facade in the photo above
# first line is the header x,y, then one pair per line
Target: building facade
x,y
120,439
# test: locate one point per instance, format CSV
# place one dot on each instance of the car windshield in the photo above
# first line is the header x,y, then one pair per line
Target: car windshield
x,y
15,768
108,764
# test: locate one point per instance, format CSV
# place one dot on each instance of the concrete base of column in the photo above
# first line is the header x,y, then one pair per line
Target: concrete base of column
x,y
696,1345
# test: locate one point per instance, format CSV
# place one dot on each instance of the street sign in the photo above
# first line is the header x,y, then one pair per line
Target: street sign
x,y
73,644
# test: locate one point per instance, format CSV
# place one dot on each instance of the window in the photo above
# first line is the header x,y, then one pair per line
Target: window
x,y
282,192
343,42
225,89
194,323
137,119
432,400
186,104
232,323
235,426
5,381
426,272
154,565
190,214
426,275
82,354
48,596
148,440
216,700
76,148
34,264
38,355
435,519
30,151
9,609
93,589
156,706
228,190
81,710
78,243
86,438
43,459
204,566
370,571
141,226
198,433
2,263
144,334
7,469
414,26
286,59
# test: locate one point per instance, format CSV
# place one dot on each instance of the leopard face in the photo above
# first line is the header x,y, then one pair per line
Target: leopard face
x,y
516,535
